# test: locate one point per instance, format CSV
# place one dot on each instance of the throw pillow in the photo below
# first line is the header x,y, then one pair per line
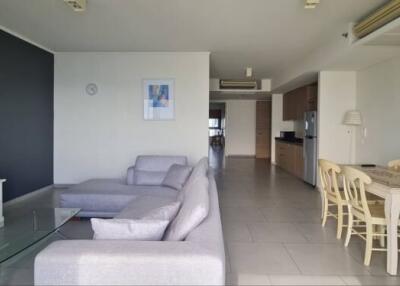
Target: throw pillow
x,y
176,176
126,229
194,210
167,212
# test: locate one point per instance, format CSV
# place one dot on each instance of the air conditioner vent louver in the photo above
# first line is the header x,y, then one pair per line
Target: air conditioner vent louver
x,y
381,17
237,84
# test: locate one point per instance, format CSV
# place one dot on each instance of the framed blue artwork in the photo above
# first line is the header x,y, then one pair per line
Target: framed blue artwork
x,y
159,99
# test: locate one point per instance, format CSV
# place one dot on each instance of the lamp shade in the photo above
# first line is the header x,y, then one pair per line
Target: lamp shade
x,y
352,117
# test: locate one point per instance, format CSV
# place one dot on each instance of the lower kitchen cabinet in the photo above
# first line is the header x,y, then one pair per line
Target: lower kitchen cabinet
x,y
289,156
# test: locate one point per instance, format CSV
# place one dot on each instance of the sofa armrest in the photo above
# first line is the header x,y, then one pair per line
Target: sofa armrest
x,y
130,175
107,262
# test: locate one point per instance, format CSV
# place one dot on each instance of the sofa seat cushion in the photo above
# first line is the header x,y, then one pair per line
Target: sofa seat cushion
x,y
95,200
142,205
109,195
128,229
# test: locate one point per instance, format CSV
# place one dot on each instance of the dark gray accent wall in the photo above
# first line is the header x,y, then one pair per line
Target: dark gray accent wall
x,y
26,116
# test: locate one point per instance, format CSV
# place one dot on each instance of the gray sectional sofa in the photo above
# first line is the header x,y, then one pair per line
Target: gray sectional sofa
x,y
199,259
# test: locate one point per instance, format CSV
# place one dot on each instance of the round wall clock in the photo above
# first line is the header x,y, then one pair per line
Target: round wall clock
x,y
91,89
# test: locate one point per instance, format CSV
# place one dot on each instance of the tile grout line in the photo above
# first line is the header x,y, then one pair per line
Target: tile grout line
x,y
291,257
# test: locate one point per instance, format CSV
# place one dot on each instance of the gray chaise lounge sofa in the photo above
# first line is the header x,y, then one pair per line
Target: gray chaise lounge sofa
x,y
198,260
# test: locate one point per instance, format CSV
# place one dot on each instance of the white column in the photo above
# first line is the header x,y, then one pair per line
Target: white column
x,y
1,203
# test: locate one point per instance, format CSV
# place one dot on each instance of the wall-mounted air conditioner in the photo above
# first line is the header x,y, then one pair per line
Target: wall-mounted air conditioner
x,y
378,19
237,84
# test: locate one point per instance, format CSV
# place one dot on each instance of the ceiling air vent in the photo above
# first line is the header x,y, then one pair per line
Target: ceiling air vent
x,y
237,84
77,5
376,20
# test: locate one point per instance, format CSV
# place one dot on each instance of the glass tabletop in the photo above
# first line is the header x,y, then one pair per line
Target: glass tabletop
x,y
26,229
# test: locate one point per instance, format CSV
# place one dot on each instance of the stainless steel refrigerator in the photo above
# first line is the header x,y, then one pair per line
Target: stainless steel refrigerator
x,y
310,147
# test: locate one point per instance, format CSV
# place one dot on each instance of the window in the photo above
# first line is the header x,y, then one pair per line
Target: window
x,y
213,123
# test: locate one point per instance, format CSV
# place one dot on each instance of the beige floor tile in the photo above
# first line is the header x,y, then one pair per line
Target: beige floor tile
x,y
371,280
377,266
283,215
324,259
236,232
237,214
305,280
276,232
247,279
260,258
315,233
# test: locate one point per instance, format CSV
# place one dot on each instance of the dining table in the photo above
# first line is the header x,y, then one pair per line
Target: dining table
x,y
386,184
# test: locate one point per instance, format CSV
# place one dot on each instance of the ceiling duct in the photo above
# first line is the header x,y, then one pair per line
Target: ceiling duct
x,y
376,20
237,84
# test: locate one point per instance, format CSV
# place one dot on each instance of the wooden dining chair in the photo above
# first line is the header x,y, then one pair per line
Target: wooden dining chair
x,y
331,194
368,216
394,165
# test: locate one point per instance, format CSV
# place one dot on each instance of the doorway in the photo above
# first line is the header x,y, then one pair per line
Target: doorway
x,y
216,133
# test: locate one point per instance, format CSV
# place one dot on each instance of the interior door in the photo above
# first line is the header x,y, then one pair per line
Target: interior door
x,y
263,129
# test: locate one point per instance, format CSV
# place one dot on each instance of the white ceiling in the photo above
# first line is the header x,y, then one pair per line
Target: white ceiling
x,y
264,34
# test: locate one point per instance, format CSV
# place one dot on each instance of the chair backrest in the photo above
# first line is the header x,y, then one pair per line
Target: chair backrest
x,y
354,182
395,165
328,172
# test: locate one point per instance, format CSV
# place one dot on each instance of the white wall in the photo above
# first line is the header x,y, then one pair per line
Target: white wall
x,y
337,94
240,137
277,124
378,99
100,136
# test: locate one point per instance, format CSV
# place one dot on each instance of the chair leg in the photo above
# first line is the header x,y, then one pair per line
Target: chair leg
x,y
322,206
368,246
382,238
339,222
349,230
325,212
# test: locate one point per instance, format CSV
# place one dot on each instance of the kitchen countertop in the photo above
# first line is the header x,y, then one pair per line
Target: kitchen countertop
x,y
295,141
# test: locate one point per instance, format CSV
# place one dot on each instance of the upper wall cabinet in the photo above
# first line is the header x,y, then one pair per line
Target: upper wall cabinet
x,y
300,100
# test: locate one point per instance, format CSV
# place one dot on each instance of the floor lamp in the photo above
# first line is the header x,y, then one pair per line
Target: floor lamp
x,y
352,118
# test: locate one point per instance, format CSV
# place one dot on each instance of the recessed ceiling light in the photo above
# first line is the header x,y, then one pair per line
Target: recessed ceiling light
x,y
311,4
249,72
76,5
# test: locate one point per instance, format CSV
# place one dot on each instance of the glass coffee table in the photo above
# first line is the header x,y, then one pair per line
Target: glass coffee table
x,y
22,231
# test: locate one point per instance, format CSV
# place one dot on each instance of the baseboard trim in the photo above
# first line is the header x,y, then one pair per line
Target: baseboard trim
x,y
28,196
63,186
241,156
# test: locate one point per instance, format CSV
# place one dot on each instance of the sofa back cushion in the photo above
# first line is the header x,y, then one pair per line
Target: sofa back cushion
x,y
151,170
167,212
199,170
127,229
177,176
149,178
194,210
142,205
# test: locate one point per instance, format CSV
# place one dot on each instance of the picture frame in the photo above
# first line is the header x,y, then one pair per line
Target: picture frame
x,y
159,99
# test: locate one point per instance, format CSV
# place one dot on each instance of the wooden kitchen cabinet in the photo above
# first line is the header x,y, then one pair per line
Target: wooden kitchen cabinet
x,y
298,101
289,157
